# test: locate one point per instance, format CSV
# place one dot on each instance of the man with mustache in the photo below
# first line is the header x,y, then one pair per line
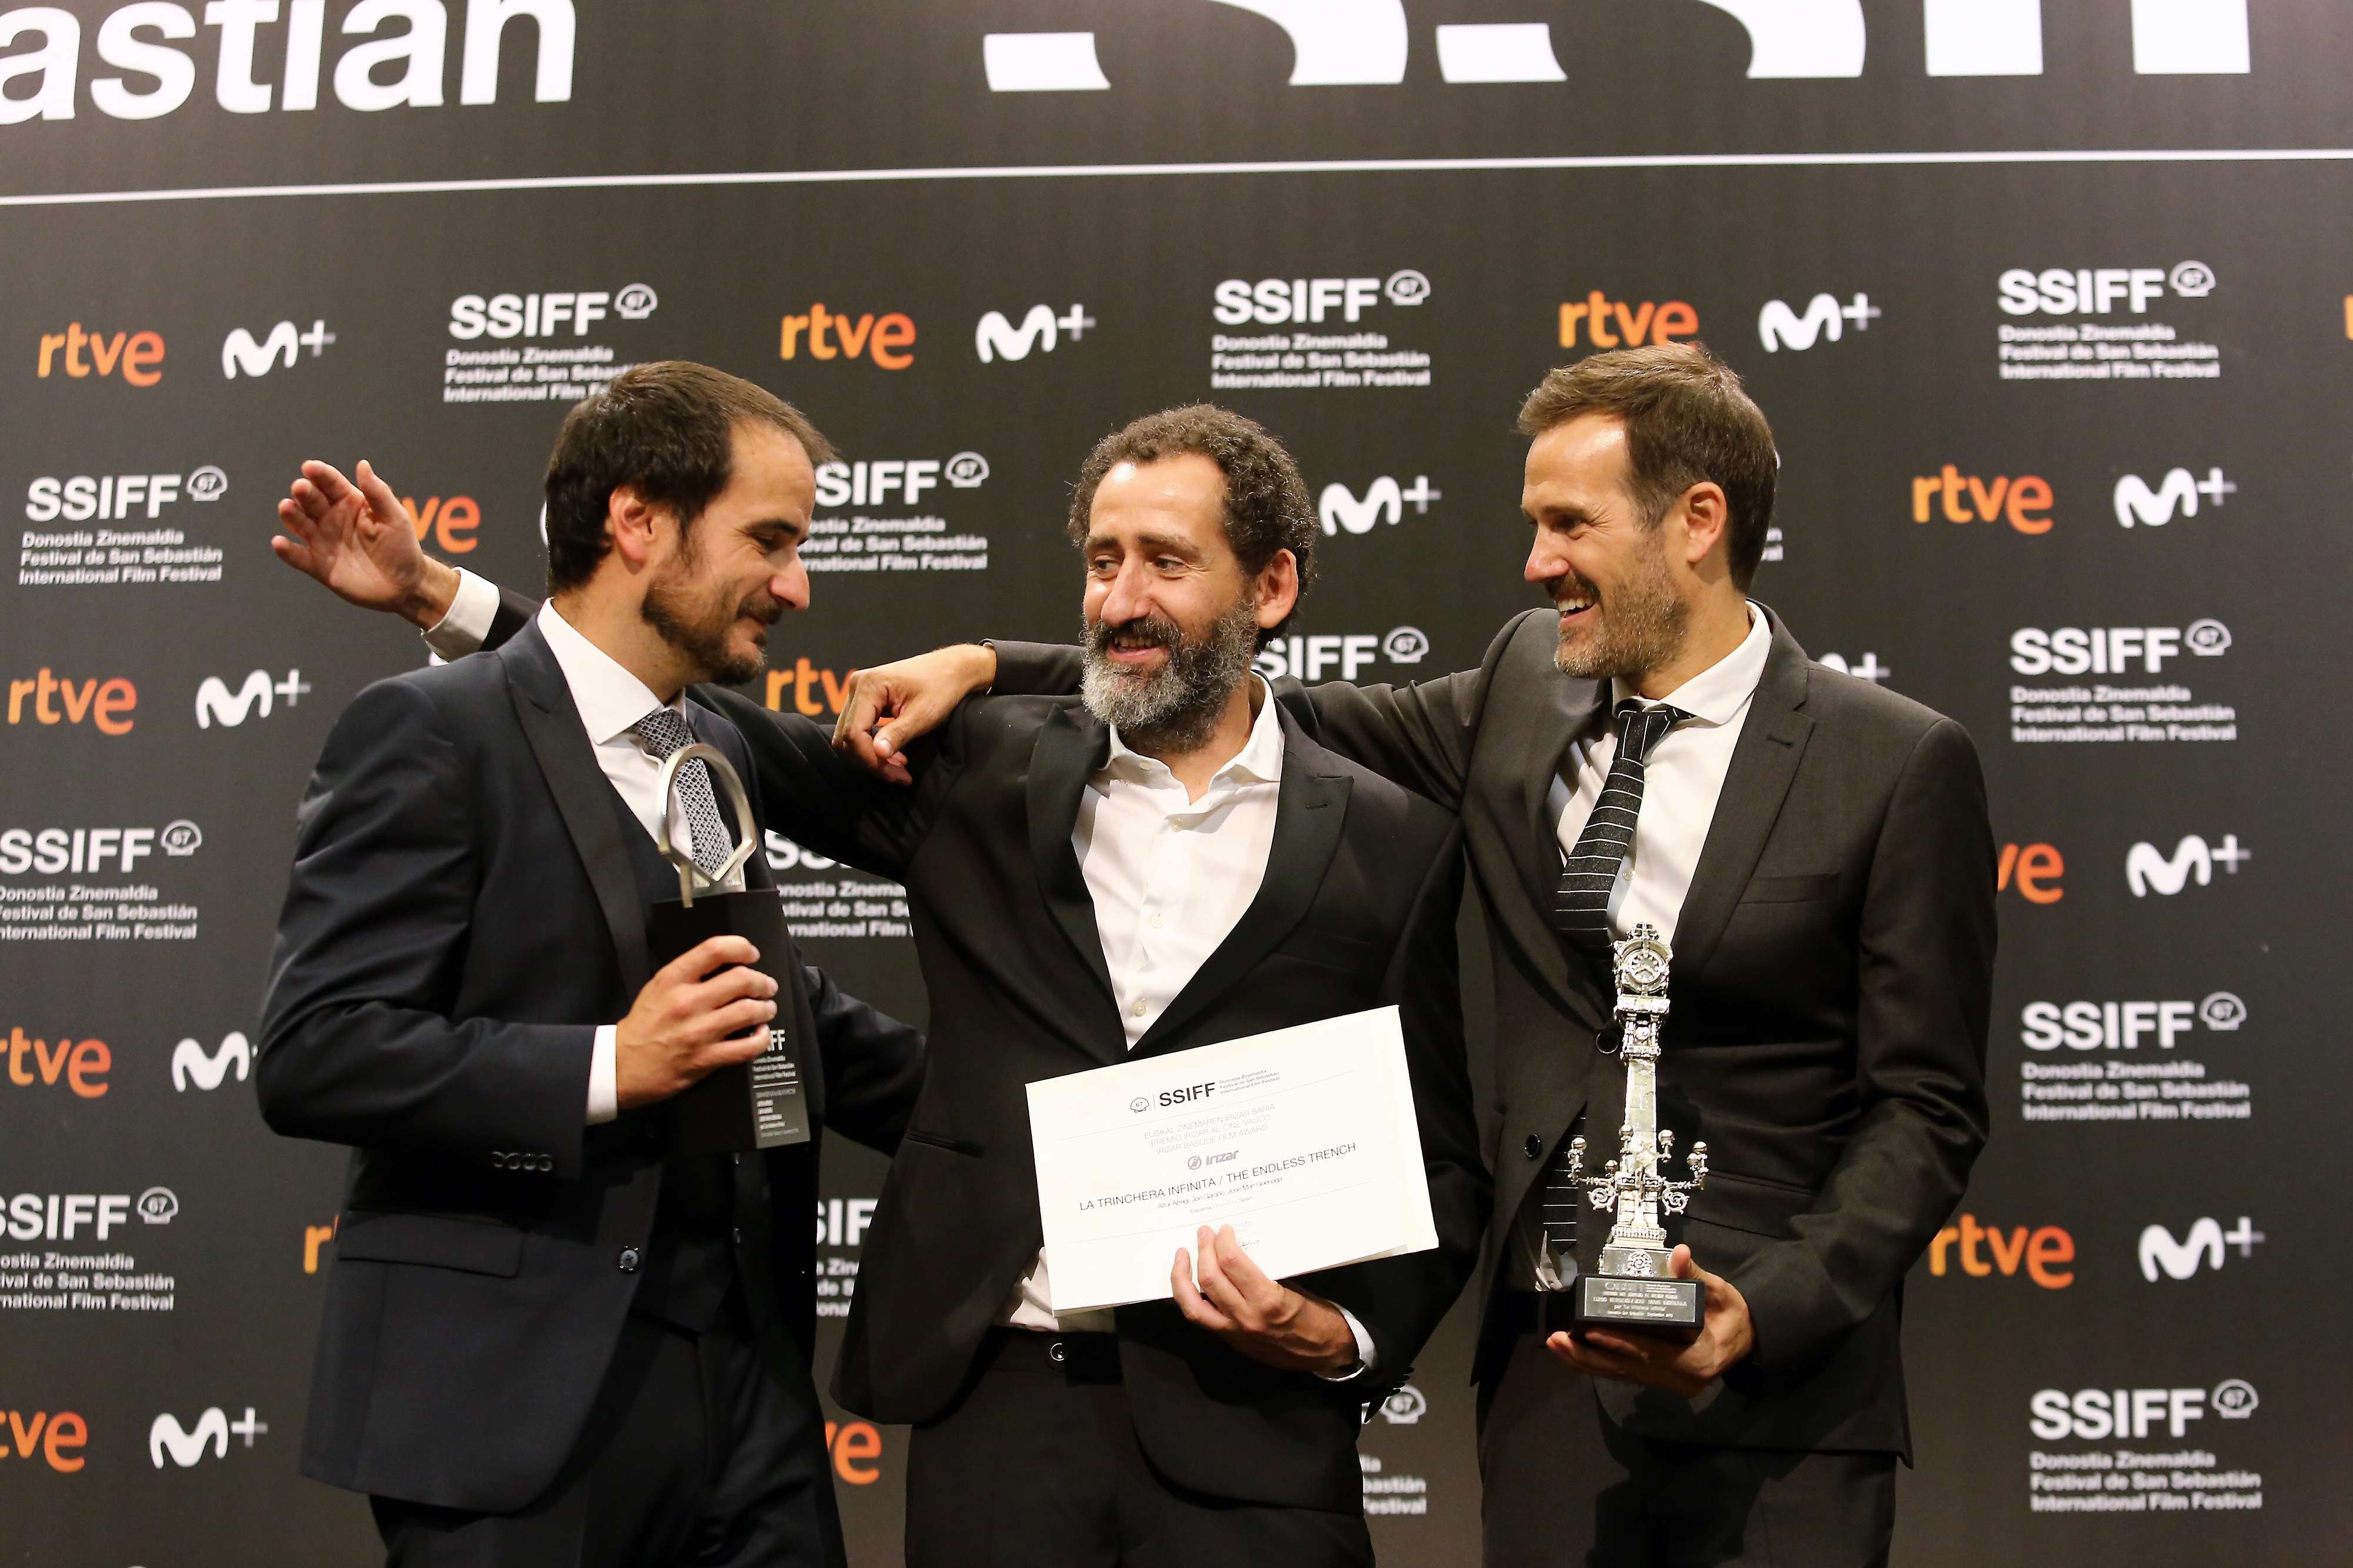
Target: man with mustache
x,y
1656,748
1165,861
550,1341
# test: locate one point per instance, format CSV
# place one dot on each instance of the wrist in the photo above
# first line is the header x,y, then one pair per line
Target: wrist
x,y
437,589
982,669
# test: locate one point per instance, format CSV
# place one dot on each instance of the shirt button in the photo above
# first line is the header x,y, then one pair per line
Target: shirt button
x,y
1535,1147
1140,1009
1157,922
738,1234
628,1260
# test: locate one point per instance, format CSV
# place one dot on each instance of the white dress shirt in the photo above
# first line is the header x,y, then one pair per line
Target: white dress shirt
x,y
610,701
1681,782
1170,878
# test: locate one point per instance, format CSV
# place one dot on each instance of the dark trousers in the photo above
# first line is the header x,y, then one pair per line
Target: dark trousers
x,y
1564,1487
1037,1466
694,1453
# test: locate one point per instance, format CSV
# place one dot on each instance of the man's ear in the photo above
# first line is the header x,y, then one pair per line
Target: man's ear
x,y
1707,514
1278,589
632,522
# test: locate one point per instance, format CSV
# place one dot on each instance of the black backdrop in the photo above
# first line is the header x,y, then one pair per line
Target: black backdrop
x,y
2057,350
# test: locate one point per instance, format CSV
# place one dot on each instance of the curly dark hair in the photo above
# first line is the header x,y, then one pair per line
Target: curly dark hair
x,y
665,428
1267,506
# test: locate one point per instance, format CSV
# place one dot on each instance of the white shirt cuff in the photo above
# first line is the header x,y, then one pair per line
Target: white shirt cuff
x,y
1365,1356
604,1087
468,624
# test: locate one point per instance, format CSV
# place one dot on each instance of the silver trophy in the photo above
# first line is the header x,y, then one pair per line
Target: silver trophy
x,y
1631,1289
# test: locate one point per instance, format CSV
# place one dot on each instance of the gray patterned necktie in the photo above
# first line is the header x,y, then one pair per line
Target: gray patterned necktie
x,y
1581,906
660,732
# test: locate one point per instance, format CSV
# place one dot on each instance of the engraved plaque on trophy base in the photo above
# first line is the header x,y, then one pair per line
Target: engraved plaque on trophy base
x,y
1672,1309
758,1104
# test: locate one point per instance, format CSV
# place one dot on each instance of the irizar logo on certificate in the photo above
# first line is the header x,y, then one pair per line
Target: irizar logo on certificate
x,y
1304,1140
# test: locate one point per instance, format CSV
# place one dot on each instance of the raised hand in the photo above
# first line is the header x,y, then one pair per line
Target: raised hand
x,y
356,539
889,705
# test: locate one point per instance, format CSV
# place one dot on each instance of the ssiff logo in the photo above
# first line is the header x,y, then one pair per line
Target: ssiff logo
x,y
1825,321
2095,1415
1309,656
1338,509
2162,1256
2092,1026
1282,301
2099,290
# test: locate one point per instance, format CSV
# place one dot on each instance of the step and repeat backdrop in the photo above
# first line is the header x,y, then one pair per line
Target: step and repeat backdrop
x,y
2051,306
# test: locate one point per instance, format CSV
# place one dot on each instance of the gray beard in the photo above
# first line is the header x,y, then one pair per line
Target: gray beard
x,y
1178,708
1643,627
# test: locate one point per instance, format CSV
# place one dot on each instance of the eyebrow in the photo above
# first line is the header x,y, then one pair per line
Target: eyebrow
x,y
1172,543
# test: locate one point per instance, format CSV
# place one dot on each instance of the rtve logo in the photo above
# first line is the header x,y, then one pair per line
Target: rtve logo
x,y
504,316
66,1216
1309,656
187,1446
216,704
2023,502
109,498
2175,494
448,522
2112,650
2097,1414
138,356
2121,1026
884,342
82,1064
802,683
243,354
48,851
57,700
996,337
2192,860
38,1433
359,83
1612,323
2034,870
1385,501
2044,1250
208,1071
1368,42
872,481
1778,326
1284,301
2099,290
2161,1256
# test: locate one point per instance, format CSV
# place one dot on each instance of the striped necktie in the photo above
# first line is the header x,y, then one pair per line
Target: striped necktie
x,y
1581,906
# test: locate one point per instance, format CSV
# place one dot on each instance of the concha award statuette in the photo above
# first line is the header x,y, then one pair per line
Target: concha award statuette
x,y
1630,1288
758,1104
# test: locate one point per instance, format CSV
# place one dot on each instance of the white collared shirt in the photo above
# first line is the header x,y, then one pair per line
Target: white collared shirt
x,y
1170,876
1681,783
611,700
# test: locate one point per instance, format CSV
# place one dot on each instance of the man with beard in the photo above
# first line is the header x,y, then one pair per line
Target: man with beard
x,y
550,1341
1166,861
1656,748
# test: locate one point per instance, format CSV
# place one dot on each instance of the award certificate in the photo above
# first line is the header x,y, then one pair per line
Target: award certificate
x,y
1304,1140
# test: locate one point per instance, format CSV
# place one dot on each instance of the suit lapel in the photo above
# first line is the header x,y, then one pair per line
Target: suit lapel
x,y
1772,742
1070,747
1569,705
1311,807
544,707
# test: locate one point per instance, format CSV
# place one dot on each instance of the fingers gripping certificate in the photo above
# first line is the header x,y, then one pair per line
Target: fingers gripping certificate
x,y
1304,1140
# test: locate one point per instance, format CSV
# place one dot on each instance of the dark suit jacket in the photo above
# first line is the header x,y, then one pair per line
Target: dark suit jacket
x,y
1832,983
462,915
1356,910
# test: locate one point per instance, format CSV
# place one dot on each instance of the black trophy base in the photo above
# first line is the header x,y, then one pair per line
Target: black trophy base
x,y
1670,1308
758,1104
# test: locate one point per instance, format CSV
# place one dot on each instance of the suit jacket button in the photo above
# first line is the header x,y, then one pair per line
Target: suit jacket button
x,y
628,1260
1534,1146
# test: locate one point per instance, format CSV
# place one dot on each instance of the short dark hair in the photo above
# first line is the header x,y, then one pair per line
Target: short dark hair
x,y
1267,507
667,430
1687,421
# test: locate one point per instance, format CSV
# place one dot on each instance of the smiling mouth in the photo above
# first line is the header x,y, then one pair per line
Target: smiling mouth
x,y
1574,610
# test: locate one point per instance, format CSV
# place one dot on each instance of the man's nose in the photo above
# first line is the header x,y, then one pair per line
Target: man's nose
x,y
1129,596
1545,562
790,587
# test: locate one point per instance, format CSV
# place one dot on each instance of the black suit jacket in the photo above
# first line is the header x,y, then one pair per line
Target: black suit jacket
x,y
1356,910
462,915
1830,990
